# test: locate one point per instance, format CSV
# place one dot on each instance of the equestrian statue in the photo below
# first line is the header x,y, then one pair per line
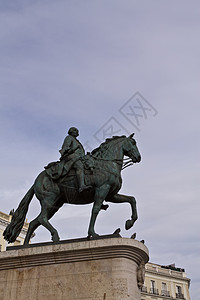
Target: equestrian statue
x,y
78,179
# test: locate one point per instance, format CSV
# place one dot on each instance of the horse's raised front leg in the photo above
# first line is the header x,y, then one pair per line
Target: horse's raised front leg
x,y
100,195
122,199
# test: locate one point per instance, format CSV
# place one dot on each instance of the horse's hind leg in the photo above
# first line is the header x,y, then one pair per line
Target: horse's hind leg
x,y
49,207
32,227
48,193
44,220
129,199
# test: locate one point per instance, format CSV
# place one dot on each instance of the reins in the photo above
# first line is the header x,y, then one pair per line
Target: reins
x,y
127,164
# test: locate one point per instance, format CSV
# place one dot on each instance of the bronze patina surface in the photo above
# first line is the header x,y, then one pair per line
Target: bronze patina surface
x,y
78,179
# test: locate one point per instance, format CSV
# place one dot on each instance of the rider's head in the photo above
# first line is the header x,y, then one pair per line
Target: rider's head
x,y
73,131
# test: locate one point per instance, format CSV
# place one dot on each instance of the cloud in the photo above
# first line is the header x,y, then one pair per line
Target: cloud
x,y
77,63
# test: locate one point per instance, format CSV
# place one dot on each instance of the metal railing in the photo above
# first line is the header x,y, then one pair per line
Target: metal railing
x,y
154,291
180,296
165,293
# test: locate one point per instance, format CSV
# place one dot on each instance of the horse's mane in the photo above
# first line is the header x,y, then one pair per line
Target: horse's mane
x,y
105,146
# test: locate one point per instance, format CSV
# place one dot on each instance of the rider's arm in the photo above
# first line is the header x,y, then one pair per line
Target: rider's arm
x,y
66,145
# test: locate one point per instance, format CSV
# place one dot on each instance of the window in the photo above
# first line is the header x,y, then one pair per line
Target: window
x,y
178,289
179,294
153,289
164,291
153,284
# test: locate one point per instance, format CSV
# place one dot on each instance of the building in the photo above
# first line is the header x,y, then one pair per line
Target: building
x,y
165,282
4,221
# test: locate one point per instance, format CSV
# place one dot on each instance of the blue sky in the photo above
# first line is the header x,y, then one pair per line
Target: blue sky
x,y
77,63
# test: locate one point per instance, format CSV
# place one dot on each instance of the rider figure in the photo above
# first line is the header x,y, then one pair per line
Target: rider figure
x,y
71,152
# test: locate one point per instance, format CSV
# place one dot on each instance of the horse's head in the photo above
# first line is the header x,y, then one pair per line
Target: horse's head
x,y
116,147
130,149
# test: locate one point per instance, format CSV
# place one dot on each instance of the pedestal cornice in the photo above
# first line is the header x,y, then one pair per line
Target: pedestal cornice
x,y
74,252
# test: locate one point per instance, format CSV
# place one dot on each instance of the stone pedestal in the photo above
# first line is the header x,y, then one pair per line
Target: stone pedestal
x,y
103,269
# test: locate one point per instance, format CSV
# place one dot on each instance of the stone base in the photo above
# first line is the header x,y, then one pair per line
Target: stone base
x,y
105,269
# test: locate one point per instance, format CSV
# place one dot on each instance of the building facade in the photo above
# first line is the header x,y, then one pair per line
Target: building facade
x,y
5,219
165,282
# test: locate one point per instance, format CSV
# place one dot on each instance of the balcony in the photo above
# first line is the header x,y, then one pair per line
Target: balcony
x,y
179,296
154,291
144,289
165,293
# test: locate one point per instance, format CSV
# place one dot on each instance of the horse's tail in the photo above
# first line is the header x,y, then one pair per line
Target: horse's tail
x,y
14,228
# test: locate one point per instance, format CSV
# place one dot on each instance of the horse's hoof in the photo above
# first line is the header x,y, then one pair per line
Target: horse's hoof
x,y
92,236
55,239
129,224
116,232
104,206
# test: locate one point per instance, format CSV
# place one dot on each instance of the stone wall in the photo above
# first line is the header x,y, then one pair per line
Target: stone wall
x,y
104,269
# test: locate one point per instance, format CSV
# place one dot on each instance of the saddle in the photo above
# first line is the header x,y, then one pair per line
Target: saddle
x,y
59,169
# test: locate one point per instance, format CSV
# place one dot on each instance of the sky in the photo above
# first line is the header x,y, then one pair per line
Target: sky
x,y
109,68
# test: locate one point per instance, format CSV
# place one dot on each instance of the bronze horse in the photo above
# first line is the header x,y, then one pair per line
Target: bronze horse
x,y
105,179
